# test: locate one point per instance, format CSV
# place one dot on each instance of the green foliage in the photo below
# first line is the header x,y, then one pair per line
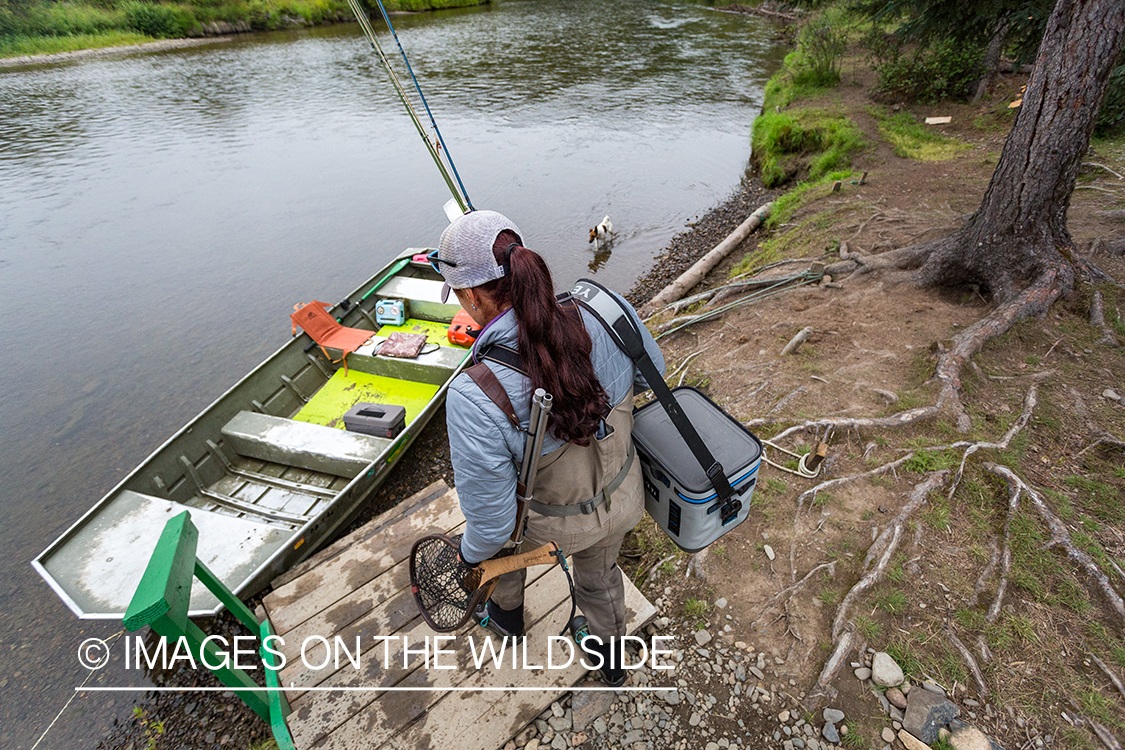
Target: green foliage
x,y
868,628
925,73
809,142
821,43
924,461
153,730
905,658
158,20
696,608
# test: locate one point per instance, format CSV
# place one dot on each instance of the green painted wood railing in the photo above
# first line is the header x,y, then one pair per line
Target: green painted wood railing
x,y
162,601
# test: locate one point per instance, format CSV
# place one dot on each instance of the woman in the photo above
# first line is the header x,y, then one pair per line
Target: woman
x,y
589,491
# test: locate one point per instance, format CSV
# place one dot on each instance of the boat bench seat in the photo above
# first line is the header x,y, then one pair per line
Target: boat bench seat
x,y
301,444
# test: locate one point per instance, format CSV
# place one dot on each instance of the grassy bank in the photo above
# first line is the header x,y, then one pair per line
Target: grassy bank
x,y
29,27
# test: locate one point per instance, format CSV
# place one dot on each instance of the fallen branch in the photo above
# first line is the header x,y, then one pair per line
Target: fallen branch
x,y
1029,403
796,341
888,542
703,266
982,689
1061,537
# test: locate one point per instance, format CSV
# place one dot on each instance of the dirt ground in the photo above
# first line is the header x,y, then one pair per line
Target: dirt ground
x,y
871,354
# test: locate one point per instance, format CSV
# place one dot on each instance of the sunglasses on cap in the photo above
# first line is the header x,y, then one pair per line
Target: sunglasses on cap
x,y
434,260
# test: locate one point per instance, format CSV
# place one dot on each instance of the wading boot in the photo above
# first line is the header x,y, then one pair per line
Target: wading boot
x,y
506,623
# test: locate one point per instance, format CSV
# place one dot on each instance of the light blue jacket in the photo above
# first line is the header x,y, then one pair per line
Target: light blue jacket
x,y
486,449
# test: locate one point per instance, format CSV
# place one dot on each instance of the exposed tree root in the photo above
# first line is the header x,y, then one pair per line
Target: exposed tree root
x,y
1097,320
902,419
1061,537
1112,677
986,574
970,662
884,548
822,691
1035,300
1103,437
787,593
1006,556
1029,403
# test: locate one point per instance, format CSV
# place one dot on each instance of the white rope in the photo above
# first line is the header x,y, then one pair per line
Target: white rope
x,y
77,690
802,469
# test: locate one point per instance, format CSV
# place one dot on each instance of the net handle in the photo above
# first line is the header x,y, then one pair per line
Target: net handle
x,y
495,568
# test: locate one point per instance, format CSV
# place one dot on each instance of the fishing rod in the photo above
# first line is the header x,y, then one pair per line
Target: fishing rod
x,y
461,196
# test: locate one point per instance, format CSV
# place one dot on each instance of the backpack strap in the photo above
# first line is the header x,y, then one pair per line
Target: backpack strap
x,y
621,327
487,381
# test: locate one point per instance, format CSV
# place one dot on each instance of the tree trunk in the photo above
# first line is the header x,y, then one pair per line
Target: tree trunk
x,y
1020,231
991,62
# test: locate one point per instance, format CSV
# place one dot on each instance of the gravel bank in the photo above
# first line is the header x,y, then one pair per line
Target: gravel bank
x,y
82,54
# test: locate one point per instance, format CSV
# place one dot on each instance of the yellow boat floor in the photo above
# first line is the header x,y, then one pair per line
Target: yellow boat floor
x,y
358,591
343,391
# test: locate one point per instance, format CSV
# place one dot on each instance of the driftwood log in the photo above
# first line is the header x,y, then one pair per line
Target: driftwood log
x,y
691,277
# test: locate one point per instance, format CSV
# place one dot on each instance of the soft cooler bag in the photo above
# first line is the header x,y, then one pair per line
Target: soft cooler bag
x,y
695,490
678,494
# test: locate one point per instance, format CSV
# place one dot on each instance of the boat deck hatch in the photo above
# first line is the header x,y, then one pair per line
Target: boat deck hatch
x,y
343,391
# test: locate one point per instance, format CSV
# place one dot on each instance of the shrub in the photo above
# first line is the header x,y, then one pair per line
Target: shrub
x,y
157,20
926,73
821,45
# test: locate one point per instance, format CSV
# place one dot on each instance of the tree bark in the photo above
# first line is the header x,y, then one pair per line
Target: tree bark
x,y
991,62
1019,231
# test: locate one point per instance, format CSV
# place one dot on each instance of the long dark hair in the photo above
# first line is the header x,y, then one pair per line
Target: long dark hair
x,y
553,342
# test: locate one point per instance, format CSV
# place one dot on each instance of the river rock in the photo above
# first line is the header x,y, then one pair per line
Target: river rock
x,y
885,671
587,705
895,697
702,637
910,742
888,734
969,738
926,713
769,551
863,673
833,715
830,733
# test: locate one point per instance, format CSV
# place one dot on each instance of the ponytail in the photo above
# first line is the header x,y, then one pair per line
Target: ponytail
x,y
553,343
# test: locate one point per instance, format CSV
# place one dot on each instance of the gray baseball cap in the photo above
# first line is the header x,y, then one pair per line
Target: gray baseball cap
x,y
464,255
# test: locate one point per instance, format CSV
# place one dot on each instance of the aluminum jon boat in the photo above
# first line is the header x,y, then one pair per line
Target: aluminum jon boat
x,y
268,471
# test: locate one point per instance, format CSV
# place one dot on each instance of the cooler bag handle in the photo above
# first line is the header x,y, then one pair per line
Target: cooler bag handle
x,y
615,318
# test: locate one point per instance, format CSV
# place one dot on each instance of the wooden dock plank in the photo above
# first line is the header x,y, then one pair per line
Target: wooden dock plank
x,y
326,584
344,719
359,588
364,532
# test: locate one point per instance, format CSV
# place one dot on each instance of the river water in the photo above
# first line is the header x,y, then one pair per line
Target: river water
x,y
160,213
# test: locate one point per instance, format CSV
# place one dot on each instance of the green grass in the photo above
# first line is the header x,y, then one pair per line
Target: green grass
x,y
912,140
696,608
890,600
15,46
905,658
925,461
868,628
803,143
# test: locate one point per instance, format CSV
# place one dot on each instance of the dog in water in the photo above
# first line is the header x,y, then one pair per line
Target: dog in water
x,y
601,233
